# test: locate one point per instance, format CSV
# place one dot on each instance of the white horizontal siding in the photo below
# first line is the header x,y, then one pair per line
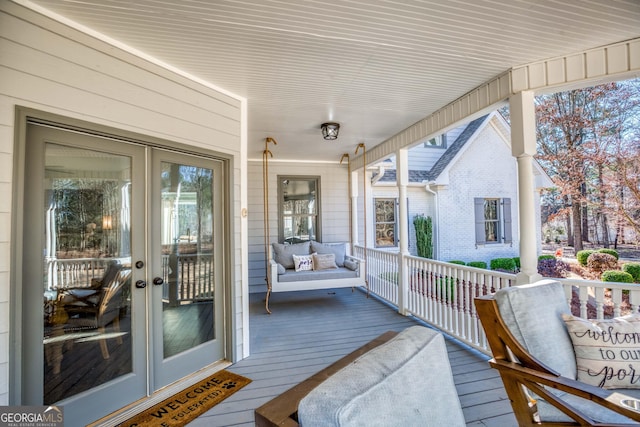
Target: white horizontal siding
x,y
52,68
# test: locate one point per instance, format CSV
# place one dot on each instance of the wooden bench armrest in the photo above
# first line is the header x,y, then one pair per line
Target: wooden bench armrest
x,y
534,380
283,409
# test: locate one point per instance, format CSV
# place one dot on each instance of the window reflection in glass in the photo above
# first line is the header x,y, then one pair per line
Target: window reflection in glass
x,y
298,209
491,220
187,257
385,210
87,335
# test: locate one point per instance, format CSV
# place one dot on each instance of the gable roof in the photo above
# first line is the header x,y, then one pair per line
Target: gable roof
x,y
419,176
455,148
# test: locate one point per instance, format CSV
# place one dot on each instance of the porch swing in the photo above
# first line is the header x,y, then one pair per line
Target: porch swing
x,y
307,265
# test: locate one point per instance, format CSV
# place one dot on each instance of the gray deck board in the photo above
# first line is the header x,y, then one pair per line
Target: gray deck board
x,y
310,330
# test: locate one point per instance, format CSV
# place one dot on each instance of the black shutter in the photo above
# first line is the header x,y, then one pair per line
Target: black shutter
x,y
506,215
478,210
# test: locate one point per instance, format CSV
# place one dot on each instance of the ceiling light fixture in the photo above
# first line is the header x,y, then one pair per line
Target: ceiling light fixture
x,y
330,130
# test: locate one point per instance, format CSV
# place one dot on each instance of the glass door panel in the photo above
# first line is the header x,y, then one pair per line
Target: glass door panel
x,y
86,270
86,351
187,257
188,202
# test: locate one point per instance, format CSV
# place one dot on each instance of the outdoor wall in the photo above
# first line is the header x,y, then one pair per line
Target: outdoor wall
x,y
334,204
487,170
50,67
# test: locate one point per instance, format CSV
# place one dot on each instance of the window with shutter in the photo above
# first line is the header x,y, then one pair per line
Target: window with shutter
x,y
492,217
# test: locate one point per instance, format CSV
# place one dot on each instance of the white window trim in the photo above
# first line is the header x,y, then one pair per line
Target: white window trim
x,y
504,218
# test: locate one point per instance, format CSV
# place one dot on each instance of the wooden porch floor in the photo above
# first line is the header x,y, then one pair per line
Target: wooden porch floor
x,y
310,330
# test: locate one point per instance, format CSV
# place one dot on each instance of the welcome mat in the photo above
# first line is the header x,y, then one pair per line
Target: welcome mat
x,y
193,401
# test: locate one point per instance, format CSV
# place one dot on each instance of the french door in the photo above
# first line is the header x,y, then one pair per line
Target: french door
x,y
123,277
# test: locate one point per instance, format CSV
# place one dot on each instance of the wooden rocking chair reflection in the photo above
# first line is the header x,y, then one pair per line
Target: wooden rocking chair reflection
x,y
83,312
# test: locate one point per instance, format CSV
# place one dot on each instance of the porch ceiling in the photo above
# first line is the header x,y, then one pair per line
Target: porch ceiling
x,y
374,66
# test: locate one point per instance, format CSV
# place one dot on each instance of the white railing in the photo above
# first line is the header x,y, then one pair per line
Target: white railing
x,y
382,273
189,278
592,299
441,294
74,273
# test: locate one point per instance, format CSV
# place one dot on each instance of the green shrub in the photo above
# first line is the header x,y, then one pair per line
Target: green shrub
x,y
582,256
424,235
517,261
541,257
457,262
633,268
478,264
503,264
612,252
616,276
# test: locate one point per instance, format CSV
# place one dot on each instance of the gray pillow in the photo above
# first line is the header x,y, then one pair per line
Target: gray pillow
x,y
351,264
283,254
338,249
324,261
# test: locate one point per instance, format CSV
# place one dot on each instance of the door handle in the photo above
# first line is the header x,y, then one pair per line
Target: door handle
x,y
158,281
141,284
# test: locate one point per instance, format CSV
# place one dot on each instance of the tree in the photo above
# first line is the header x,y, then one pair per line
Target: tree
x,y
585,143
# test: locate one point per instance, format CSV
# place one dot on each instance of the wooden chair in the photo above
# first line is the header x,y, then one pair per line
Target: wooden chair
x,y
531,382
105,312
90,296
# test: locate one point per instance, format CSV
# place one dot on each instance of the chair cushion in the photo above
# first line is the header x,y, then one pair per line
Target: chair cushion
x,y
607,350
283,254
404,382
533,314
81,297
338,249
332,274
548,412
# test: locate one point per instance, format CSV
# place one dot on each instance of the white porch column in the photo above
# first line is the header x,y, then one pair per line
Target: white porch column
x,y
368,214
402,180
523,148
354,210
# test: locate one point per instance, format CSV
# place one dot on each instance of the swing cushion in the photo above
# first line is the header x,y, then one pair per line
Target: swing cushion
x,y
337,249
283,254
